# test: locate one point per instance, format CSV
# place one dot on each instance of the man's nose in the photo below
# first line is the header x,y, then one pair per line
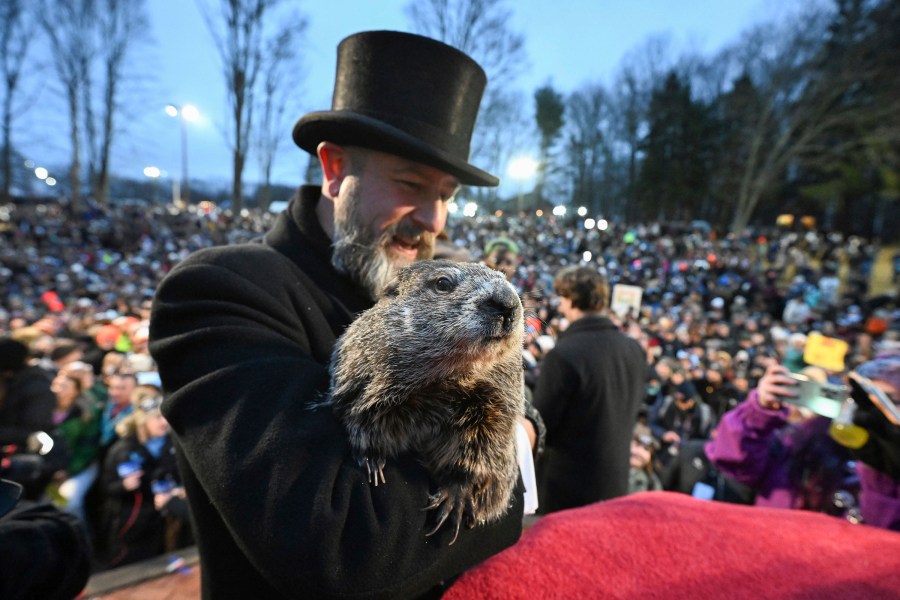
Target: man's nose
x,y
431,215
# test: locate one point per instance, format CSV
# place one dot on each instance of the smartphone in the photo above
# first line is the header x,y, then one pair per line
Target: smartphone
x,y
824,399
127,469
162,486
878,398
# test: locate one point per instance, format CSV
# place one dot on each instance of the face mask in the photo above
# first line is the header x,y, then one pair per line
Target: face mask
x,y
653,389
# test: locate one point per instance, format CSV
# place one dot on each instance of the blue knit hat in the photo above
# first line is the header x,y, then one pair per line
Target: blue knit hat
x,y
883,368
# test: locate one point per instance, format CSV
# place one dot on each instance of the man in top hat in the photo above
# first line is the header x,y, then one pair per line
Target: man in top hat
x,y
243,335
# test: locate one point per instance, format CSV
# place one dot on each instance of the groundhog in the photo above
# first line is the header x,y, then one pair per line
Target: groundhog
x,y
436,367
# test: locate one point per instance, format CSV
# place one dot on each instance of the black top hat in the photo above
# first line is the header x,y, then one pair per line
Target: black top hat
x,y
403,94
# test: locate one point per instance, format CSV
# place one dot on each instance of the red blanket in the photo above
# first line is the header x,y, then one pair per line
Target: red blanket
x,y
667,545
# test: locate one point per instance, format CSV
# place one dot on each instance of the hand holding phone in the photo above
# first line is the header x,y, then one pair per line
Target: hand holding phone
x,y
775,387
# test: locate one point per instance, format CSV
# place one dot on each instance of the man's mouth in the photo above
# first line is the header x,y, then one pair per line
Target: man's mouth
x,y
405,246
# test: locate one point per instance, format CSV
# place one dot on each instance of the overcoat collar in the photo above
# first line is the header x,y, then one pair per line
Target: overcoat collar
x,y
298,235
589,323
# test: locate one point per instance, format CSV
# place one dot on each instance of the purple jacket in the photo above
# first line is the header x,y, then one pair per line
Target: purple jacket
x,y
742,448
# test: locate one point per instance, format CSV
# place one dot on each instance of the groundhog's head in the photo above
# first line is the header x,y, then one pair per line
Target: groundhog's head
x,y
464,307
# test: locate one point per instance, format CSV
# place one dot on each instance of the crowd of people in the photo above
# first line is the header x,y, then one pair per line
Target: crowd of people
x,y
242,335
717,312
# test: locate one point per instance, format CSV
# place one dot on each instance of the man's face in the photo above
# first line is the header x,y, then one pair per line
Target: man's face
x,y
504,260
120,389
387,215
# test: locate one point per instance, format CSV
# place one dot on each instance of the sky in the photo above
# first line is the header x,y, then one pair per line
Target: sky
x,y
568,43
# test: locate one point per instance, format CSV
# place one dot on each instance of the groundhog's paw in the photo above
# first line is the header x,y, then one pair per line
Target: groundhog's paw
x,y
453,502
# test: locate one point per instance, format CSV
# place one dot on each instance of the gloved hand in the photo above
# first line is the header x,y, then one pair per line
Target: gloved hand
x,y
882,451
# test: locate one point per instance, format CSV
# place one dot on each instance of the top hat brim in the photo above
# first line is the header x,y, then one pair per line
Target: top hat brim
x,y
350,128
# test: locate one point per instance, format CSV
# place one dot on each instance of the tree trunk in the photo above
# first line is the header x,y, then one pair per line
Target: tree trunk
x,y
75,169
237,185
7,145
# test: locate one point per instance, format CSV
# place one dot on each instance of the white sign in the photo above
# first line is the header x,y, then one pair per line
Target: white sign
x,y
625,298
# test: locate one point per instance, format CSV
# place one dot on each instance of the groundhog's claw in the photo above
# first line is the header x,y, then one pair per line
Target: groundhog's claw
x,y
451,506
374,468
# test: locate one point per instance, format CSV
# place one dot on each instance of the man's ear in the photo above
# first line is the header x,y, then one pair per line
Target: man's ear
x,y
334,161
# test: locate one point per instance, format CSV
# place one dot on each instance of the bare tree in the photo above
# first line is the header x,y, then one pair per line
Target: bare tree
x,y
480,28
503,130
69,26
17,28
122,24
809,109
642,70
587,146
279,85
238,33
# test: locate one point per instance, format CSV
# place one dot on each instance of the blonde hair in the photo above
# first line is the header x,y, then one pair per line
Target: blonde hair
x,y
133,424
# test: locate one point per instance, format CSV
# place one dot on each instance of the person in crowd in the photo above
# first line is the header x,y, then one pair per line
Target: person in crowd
x,y
642,475
110,365
878,460
107,337
591,386
681,416
714,389
121,388
139,461
92,387
502,254
26,418
77,421
792,461
27,403
63,353
243,336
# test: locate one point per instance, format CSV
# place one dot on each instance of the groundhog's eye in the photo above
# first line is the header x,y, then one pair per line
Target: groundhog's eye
x,y
443,284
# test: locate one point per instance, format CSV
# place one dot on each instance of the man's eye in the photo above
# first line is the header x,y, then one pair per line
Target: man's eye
x,y
412,185
444,284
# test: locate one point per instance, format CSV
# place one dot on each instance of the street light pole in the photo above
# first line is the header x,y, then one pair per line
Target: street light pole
x,y
521,169
185,113
185,190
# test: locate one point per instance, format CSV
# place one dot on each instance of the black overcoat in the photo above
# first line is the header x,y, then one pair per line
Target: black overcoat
x,y
242,336
589,391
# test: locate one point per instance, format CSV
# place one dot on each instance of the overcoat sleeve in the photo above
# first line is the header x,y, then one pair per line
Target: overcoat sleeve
x,y
238,338
558,383
740,447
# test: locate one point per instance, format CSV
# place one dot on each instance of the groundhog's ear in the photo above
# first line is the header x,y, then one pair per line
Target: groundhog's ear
x,y
391,289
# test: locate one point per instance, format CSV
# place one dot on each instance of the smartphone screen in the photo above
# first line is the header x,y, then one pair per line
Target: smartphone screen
x,y
822,398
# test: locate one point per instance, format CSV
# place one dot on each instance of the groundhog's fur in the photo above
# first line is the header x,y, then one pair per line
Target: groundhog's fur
x,y
436,367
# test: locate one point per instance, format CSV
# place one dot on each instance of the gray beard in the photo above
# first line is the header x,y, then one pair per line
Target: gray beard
x,y
365,262
362,255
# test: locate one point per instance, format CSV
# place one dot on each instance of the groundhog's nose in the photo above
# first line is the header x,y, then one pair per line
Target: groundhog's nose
x,y
502,306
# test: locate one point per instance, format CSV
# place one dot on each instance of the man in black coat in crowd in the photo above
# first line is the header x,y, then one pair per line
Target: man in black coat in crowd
x,y
26,402
243,336
591,385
